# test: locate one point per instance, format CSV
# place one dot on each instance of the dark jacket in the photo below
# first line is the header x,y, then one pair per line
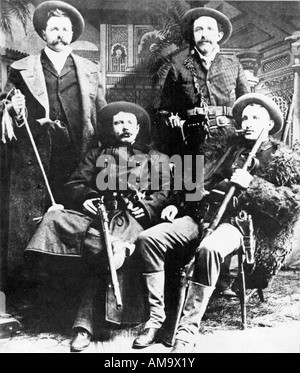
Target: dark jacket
x,y
221,85
67,240
273,200
23,192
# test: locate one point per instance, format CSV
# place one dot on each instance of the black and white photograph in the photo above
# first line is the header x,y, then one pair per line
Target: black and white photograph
x,y
149,179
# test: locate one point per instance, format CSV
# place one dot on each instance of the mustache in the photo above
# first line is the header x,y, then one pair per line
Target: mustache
x,y
59,40
204,40
126,134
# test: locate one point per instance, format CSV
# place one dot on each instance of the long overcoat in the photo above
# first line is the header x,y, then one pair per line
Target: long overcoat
x,y
74,234
23,193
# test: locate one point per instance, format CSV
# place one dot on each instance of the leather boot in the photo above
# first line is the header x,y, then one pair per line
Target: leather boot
x,y
155,283
194,308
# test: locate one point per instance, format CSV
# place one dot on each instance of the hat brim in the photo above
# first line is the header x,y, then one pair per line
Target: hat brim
x,y
109,111
193,14
40,17
266,102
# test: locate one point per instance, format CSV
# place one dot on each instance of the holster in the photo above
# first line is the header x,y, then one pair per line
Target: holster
x,y
244,223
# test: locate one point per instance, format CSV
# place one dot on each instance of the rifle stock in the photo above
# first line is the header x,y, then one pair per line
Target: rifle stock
x,y
112,269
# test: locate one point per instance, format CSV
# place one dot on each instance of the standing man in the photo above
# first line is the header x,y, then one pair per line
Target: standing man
x,y
201,87
62,95
198,94
275,176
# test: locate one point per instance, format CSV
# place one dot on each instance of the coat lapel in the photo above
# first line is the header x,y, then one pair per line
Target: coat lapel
x,y
87,79
32,72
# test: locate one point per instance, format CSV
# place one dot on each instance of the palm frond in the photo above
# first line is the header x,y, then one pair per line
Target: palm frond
x,y
5,17
157,55
19,9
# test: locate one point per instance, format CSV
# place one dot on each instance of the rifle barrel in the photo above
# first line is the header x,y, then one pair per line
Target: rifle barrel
x,y
217,218
112,269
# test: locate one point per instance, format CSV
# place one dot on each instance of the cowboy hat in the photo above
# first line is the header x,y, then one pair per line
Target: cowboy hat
x,y
109,111
40,17
193,14
266,102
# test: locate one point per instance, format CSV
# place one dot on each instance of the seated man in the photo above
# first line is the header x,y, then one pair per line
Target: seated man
x,y
120,171
255,113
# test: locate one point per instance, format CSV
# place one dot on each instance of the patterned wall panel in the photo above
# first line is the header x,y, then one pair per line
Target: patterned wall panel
x,y
282,85
276,63
119,35
121,94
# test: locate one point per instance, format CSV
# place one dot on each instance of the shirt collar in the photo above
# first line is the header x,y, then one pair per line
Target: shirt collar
x,y
58,58
207,60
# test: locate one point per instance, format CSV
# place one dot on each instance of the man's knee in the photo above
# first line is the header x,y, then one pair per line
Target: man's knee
x,y
208,249
151,250
145,242
53,216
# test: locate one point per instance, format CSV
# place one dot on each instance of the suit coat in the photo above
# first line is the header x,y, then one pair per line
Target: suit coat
x,y
22,184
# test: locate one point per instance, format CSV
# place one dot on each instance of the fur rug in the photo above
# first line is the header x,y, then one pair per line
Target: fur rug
x,y
274,202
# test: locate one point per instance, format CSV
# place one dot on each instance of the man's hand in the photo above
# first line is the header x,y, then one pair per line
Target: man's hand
x,y
169,213
137,212
175,121
55,207
18,102
241,178
89,205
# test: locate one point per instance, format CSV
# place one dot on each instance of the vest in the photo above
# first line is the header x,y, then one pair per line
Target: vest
x,y
65,106
64,97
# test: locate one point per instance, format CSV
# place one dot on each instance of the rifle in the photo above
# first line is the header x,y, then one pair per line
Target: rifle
x,y
103,216
288,123
187,272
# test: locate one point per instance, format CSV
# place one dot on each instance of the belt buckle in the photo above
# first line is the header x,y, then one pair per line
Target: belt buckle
x,y
221,120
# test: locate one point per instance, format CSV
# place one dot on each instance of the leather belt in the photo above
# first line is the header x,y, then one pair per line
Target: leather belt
x,y
221,121
212,111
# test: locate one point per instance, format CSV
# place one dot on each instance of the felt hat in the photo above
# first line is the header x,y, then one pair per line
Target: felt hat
x,y
266,102
109,111
40,17
193,14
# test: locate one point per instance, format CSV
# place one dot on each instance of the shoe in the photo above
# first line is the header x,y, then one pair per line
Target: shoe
x,y
81,340
182,347
229,293
147,337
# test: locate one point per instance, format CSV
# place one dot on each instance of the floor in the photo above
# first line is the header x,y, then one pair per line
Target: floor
x,y
274,327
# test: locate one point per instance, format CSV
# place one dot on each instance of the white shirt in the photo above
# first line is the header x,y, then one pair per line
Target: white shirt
x,y
58,58
207,60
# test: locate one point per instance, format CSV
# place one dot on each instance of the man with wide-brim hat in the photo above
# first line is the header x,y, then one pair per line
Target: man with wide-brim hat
x,y
106,133
121,171
42,12
63,95
201,80
224,24
252,99
258,190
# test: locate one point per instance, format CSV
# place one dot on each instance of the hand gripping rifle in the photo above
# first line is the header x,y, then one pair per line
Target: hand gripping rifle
x,y
187,271
103,216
